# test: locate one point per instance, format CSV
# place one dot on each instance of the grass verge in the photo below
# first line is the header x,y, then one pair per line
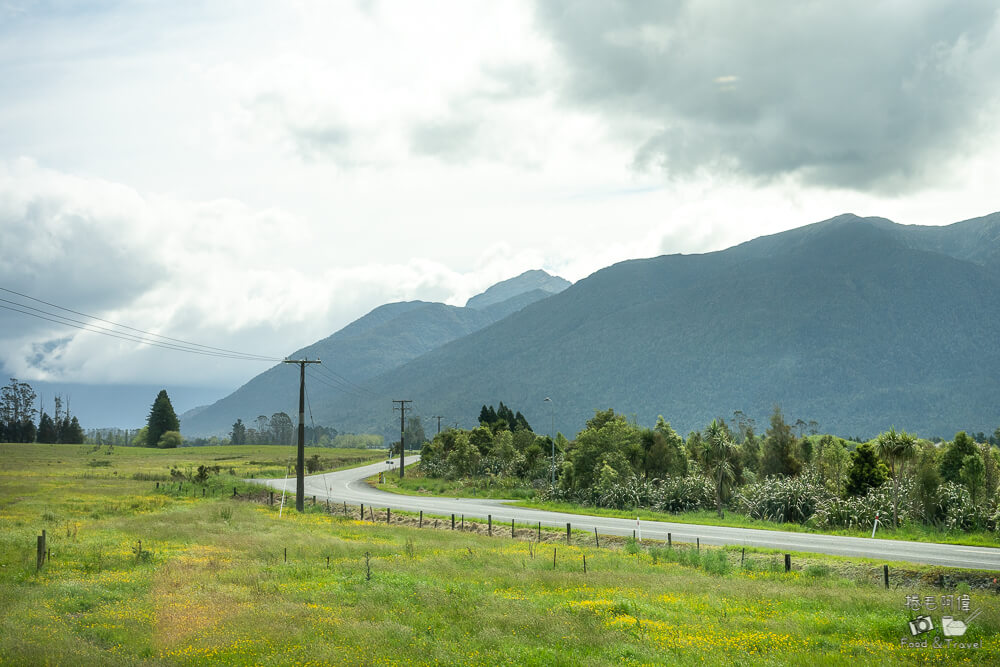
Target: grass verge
x,y
732,519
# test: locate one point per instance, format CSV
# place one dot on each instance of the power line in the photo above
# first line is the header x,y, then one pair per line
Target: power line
x,y
338,383
340,378
85,326
124,326
340,388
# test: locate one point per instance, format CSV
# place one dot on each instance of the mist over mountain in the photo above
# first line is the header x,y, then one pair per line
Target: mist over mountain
x,y
384,339
857,323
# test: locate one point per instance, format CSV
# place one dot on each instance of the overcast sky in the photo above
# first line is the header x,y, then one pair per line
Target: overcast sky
x,y
255,175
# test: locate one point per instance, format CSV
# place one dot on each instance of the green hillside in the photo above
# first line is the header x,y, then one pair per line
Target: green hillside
x,y
382,340
856,323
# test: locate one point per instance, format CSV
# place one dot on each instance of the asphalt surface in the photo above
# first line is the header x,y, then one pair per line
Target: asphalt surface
x,y
349,486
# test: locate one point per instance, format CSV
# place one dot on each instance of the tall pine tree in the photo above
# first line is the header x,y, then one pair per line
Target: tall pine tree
x,y
162,418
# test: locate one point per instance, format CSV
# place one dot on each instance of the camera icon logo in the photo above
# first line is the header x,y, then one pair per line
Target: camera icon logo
x,y
920,625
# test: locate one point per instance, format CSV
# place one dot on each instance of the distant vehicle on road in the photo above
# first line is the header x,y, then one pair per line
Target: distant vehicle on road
x,y
391,462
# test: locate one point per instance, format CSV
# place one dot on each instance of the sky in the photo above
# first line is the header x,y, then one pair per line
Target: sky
x,y
255,175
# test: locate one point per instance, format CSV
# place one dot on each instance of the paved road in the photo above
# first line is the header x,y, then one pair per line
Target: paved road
x,y
348,486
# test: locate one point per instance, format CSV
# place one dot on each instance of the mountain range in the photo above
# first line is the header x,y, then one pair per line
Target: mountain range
x,y
856,323
386,338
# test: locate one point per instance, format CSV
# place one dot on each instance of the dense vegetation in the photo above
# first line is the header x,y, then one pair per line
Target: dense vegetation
x,y
783,475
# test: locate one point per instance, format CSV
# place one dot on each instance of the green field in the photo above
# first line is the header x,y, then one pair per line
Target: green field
x,y
211,585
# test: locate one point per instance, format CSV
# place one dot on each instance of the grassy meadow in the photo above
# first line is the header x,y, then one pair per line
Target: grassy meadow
x,y
223,580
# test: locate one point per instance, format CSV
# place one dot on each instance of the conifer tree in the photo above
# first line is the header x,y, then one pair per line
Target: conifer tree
x,y
162,418
47,430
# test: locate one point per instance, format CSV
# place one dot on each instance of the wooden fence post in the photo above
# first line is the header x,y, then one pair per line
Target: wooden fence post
x,y
388,515
885,575
421,524
788,562
489,524
362,511
597,539
40,553
670,542
568,538
539,531
511,529
453,522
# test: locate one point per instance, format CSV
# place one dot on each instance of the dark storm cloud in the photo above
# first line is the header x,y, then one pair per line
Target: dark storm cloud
x,y
856,94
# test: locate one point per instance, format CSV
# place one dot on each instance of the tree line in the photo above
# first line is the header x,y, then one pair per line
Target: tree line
x,y
791,472
18,413
278,430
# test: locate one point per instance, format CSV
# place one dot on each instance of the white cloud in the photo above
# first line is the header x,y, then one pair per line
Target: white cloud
x,y
256,176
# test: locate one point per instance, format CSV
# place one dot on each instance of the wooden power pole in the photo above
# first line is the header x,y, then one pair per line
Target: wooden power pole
x,y
402,427
300,466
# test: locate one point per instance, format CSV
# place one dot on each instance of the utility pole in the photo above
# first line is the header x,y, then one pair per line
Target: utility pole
x,y
300,466
402,426
439,418
552,427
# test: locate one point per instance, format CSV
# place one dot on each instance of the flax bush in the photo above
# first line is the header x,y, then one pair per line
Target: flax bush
x,y
783,499
862,510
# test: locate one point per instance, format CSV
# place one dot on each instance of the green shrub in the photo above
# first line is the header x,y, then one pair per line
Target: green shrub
x,y
716,562
817,571
783,499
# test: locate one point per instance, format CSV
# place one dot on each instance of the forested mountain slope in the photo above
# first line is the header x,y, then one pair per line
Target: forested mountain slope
x,y
384,339
857,323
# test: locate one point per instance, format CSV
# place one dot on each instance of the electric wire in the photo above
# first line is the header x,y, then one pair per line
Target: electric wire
x,y
339,379
334,381
125,326
321,380
349,382
84,326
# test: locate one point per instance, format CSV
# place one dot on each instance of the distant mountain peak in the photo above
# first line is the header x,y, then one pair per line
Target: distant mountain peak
x,y
535,279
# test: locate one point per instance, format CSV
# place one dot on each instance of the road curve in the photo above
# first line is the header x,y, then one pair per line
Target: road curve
x,y
348,486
